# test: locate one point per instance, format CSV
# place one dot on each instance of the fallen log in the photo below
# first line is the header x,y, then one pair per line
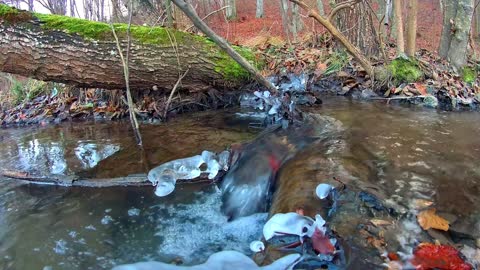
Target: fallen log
x,y
83,53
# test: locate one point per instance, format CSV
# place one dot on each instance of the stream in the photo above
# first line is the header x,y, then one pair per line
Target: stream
x,y
401,153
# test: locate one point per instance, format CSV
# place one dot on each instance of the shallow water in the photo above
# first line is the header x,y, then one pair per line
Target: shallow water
x,y
404,153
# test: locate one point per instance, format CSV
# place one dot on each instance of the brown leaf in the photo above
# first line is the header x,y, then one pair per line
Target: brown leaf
x,y
378,243
421,88
429,220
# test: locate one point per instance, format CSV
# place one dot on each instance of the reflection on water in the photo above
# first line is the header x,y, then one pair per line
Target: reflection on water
x,y
416,153
96,150
403,153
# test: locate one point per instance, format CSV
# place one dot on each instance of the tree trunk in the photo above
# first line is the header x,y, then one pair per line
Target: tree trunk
x,y
297,23
412,27
38,46
169,13
457,54
260,10
399,25
449,14
232,9
477,20
284,4
321,8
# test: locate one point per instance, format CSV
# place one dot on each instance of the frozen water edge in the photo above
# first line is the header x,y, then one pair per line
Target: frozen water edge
x,y
195,231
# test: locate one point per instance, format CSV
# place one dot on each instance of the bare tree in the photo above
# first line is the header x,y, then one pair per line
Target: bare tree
x,y
397,5
457,22
231,9
260,11
412,27
321,8
297,23
55,6
284,5
73,8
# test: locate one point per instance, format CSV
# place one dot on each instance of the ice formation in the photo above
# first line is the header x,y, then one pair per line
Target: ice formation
x,y
257,246
223,260
292,224
323,190
165,176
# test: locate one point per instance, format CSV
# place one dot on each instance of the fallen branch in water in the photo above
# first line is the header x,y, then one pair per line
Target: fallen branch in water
x,y
136,180
395,98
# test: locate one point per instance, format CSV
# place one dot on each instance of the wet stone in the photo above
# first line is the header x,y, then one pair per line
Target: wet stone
x,y
430,102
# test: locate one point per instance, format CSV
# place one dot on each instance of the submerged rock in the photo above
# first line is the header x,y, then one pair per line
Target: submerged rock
x,y
224,260
246,187
430,101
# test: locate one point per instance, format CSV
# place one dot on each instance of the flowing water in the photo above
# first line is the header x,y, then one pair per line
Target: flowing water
x,y
402,153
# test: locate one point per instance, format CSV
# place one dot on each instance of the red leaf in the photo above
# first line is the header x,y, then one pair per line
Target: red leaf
x,y
321,243
430,256
393,256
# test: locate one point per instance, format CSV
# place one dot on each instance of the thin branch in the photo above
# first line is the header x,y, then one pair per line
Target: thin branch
x,y
206,17
354,51
348,4
125,62
171,93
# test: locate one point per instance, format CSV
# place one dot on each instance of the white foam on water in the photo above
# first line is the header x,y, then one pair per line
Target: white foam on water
x,y
106,220
195,231
133,212
60,247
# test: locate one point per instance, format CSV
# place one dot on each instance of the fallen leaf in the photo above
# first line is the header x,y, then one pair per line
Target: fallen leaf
x,y
430,256
378,243
321,243
421,88
392,256
429,220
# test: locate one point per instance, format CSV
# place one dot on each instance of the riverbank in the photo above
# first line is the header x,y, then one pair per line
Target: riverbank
x,y
315,70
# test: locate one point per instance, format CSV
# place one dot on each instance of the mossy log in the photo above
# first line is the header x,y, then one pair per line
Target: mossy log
x,y
83,53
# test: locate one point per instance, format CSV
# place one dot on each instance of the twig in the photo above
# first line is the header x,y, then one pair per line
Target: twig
x,y
171,93
125,62
341,6
206,17
397,98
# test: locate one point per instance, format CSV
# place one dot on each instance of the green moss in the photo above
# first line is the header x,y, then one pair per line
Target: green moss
x,y
5,10
469,75
103,31
13,15
405,71
142,34
230,69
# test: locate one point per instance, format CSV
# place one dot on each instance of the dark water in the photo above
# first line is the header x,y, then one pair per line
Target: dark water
x,y
404,153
